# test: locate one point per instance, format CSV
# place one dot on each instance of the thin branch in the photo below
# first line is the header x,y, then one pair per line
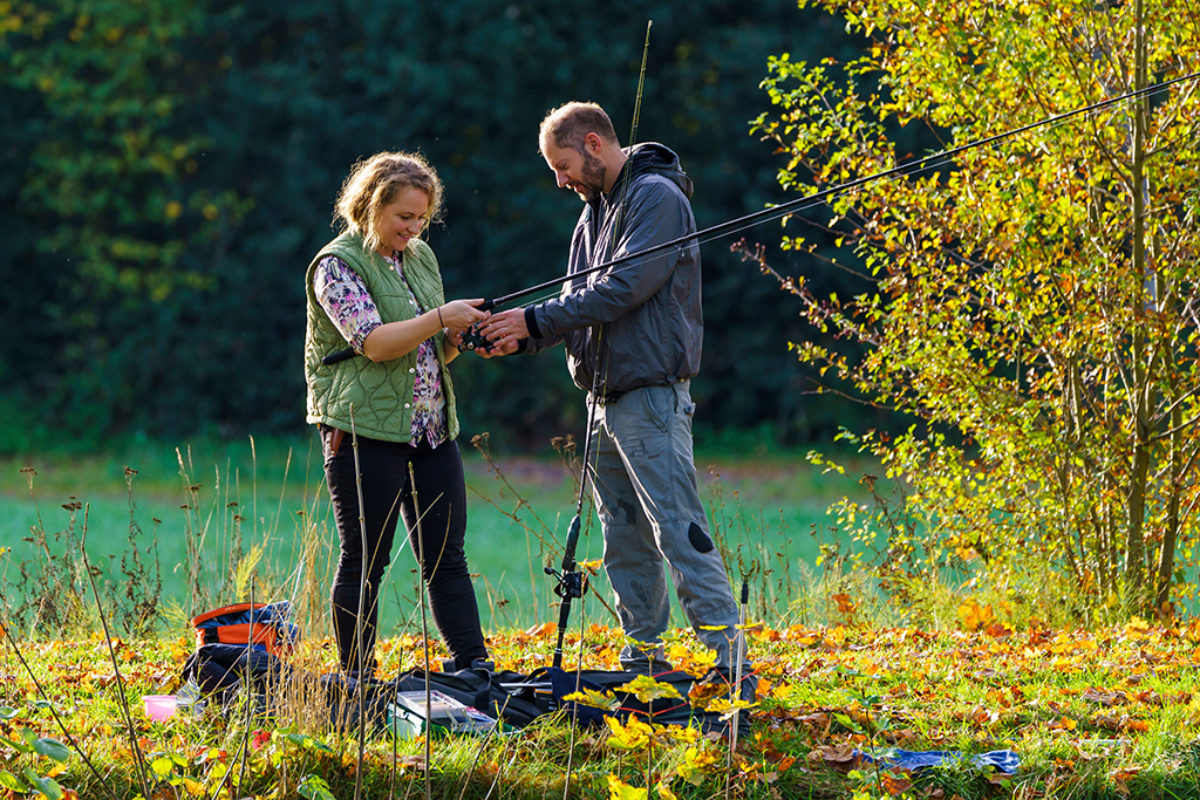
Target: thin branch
x,y
138,756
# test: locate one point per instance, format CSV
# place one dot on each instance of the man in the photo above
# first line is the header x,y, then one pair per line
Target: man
x,y
633,335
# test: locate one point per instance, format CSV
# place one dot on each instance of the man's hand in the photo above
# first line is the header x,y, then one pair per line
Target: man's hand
x,y
505,330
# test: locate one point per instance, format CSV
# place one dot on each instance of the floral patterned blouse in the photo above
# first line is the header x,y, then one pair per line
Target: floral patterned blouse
x,y
344,296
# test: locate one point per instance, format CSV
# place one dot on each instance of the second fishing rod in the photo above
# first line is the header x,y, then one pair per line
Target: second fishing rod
x,y
473,340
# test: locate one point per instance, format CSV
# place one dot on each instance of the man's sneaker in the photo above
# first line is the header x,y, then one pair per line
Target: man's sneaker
x,y
650,661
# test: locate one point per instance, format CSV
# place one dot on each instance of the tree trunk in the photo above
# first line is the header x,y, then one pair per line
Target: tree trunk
x,y
1137,588
1166,556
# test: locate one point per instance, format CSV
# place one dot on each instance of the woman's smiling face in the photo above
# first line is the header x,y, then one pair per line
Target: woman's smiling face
x,y
401,220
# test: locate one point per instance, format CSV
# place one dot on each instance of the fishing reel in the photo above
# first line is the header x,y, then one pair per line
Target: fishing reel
x,y
472,339
570,584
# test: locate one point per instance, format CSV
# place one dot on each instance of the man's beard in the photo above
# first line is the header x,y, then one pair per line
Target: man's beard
x,y
593,176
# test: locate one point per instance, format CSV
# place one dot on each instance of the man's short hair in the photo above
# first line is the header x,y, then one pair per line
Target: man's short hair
x,y
567,125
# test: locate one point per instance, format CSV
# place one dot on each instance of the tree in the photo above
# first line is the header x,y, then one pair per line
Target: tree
x,y
109,181
1033,303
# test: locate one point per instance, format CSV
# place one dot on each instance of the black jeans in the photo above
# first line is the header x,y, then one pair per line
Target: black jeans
x,y
438,493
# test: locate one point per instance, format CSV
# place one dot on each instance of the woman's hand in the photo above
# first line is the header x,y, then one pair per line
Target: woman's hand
x,y
452,344
395,339
458,315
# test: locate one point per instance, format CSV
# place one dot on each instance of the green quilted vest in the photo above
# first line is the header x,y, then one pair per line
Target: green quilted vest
x,y
380,394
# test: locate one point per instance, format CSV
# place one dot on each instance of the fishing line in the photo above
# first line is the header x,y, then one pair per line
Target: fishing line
x,y
907,169
928,165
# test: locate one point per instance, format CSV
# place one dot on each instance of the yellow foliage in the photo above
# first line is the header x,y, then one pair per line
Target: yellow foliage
x,y
1137,627
696,763
633,735
664,791
696,660
619,790
645,689
974,616
727,709
837,634
593,698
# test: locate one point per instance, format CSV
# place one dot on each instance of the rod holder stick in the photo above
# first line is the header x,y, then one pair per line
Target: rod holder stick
x,y
736,695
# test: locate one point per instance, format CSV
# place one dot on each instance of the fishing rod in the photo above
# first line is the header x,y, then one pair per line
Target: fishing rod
x,y
473,340
783,209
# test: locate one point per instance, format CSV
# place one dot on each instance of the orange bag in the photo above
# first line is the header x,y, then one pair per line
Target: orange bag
x,y
260,625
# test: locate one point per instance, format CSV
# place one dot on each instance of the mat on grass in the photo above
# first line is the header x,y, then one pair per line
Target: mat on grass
x,y
222,673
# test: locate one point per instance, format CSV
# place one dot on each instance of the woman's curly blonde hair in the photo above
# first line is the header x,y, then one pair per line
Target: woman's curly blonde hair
x,y
376,181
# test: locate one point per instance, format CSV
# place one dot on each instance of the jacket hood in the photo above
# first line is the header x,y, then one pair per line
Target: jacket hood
x,y
652,157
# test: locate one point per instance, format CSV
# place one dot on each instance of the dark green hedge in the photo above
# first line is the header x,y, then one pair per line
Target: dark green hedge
x,y
170,167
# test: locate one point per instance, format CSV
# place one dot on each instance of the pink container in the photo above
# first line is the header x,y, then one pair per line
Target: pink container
x,y
159,706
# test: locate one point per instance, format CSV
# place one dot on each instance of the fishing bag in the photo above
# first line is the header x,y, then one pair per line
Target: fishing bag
x,y
241,645
260,626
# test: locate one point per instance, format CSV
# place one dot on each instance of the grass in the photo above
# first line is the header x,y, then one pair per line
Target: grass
x,y
1111,713
1107,713
212,508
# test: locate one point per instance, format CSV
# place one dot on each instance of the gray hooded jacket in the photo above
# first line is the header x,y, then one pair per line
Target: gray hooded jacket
x,y
641,317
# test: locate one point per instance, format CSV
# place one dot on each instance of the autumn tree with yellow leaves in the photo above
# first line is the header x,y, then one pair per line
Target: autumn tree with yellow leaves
x,y
1032,302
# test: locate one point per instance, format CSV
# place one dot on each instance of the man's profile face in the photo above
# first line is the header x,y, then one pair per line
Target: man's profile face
x,y
577,170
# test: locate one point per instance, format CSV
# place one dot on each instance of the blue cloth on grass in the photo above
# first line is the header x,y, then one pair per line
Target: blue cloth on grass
x,y
1005,761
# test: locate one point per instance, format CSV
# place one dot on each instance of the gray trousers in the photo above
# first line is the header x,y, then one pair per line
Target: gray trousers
x,y
652,518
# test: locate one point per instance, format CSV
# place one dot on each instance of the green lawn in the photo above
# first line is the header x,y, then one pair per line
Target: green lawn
x,y
227,498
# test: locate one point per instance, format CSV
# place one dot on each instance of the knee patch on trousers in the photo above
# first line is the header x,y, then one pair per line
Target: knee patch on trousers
x,y
699,538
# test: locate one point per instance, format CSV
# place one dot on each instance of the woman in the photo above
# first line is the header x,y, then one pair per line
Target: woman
x,y
377,287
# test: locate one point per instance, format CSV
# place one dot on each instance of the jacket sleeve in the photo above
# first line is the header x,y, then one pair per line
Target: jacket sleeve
x,y
657,212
